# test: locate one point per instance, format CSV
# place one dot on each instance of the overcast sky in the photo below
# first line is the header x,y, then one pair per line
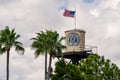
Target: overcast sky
x,y
99,18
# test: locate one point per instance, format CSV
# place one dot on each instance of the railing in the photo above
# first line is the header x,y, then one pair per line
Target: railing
x,y
93,49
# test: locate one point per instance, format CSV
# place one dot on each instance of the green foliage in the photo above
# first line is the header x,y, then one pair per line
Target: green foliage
x,y
61,69
47,42
65,71
8,39
95,67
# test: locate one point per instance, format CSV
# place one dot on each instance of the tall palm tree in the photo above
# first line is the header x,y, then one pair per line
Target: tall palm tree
x,y
40,44
8,39
47,42
55,48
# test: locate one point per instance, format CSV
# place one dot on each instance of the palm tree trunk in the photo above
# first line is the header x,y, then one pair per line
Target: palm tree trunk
x,y
49,68
45,65
7,65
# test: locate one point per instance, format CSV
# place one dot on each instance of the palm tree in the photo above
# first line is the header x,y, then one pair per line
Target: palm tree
x,y
41,47
55,48
47,42
8,39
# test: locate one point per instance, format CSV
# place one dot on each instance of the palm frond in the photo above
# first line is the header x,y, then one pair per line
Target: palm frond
x,y
8,39
18,43
2,50
38,52
48,41
62,38
20,50
33,39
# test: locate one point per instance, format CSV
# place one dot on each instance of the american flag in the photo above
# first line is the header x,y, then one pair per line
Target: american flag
x,y
69,13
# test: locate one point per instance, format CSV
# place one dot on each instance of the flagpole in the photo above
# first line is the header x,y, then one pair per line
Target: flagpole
x,y
75,16
75,19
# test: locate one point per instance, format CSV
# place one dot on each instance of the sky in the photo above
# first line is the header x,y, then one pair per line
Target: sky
x,y
99,18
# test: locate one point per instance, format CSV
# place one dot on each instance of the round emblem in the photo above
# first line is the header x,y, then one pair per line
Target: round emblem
x,y
73,39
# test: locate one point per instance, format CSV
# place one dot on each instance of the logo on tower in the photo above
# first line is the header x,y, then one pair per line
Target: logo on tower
x,y
73,39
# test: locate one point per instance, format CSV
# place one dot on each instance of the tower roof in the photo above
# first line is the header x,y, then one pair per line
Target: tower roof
x,y
78,30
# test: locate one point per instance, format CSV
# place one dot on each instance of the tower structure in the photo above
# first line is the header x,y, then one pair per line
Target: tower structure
x,y
75,43
75,40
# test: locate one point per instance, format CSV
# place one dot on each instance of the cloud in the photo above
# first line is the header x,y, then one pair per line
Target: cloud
x,y
22,67
100,20
88,1
113,31
63,4
95,13
112,4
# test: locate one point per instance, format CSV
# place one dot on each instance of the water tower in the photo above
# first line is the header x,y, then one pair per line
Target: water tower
x,y
75,43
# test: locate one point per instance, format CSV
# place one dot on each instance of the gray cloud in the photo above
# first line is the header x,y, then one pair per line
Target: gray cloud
x,y
100,20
